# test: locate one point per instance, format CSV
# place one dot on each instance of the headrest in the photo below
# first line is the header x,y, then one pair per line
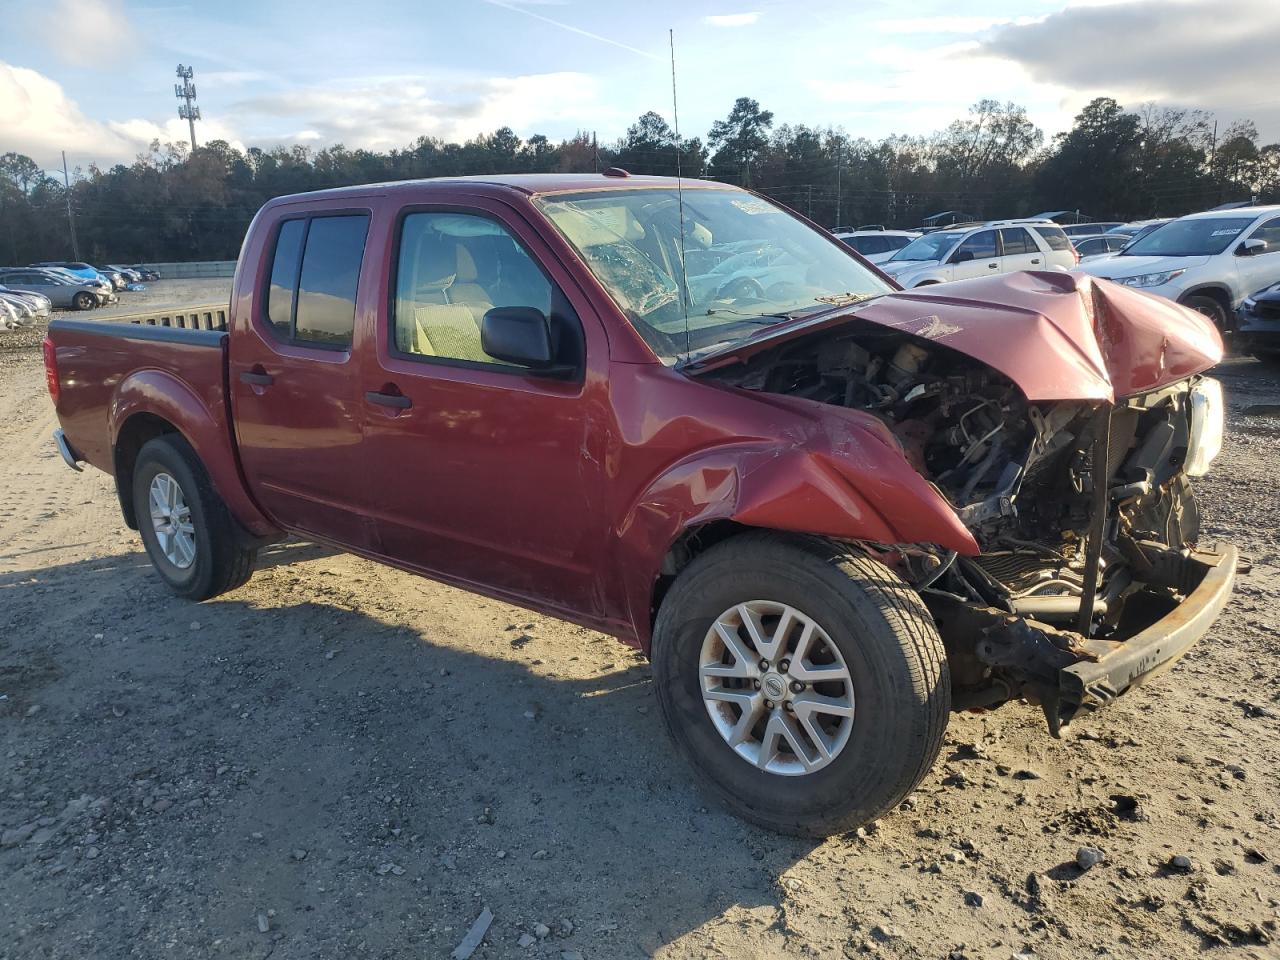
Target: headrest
x,y
466,271
435,264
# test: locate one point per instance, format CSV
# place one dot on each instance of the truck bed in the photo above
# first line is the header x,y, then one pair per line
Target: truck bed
x,y
123,381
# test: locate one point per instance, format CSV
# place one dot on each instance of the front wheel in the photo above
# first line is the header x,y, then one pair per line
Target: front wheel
x,y
85,301
189,535
1211,308
805,684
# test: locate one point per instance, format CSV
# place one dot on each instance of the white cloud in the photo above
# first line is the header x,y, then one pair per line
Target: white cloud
x,y
732,19
385,112
1213,54
38,119
85,32
948,24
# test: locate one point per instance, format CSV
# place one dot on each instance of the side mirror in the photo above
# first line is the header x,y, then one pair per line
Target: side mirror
x,y
962,256
1251,248
522,336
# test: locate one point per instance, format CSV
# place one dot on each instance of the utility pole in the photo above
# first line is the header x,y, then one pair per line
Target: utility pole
x,y
186,92
839,170
595,154
71,223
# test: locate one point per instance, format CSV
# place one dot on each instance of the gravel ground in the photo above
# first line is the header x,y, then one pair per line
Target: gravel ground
x,y
160,295
342,760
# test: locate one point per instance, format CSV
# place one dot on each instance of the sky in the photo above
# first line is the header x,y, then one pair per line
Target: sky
x,y
95,77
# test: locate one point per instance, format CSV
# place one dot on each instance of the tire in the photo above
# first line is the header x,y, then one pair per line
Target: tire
x,y
84,301
1210,307
216,560
901,686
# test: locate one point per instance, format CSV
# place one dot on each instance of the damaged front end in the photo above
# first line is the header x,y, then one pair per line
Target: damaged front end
x,y
1089,577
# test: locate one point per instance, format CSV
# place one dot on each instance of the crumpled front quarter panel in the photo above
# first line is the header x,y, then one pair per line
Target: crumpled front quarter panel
x,y
760,460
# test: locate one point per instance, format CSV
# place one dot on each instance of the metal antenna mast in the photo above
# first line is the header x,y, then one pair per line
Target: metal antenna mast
x,y
186,92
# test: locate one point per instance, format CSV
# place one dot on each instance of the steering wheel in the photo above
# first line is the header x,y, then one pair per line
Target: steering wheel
x,y
741,288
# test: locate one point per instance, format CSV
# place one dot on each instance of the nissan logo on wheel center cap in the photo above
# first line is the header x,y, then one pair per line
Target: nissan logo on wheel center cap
x,y
774,686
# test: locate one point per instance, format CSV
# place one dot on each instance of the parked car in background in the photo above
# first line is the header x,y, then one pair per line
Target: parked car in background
x,y
39,304
118,280
981,249
63,289
1098,246
1207,261
79,268
1074,230
878,245
144,274
1139,228
1258,323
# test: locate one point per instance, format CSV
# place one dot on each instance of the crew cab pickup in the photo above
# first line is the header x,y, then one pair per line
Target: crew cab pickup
x,y
830,511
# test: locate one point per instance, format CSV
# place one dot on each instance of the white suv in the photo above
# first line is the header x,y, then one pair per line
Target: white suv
x,y
980,249
1207,261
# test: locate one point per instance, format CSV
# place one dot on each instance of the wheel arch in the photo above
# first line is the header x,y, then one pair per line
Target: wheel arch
x,y
152,403
1215,291
727,491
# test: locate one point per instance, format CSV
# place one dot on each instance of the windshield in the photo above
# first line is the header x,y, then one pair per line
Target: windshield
x,y
1189,238
747,262
932,246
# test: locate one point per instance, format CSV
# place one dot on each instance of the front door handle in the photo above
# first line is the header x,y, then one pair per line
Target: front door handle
x,y
993,266
399,401
1036,260
257,378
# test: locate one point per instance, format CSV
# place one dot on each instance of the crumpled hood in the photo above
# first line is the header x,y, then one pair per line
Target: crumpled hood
x,y
1122,266
1058,336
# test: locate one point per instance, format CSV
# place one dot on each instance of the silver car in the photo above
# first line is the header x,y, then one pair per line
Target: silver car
x,y
61,288
37,305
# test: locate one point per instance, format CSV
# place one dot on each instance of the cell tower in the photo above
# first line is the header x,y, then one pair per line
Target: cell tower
x,y
186,91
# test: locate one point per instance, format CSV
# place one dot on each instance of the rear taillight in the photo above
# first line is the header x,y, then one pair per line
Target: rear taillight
x,y
51,370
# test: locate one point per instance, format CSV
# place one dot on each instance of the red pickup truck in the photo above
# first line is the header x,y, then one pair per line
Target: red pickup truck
x,y
830,511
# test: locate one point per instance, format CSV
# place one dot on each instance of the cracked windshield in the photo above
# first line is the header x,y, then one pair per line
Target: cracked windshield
x,y
748,262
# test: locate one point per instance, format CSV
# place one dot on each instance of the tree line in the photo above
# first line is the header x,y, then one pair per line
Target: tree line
x,y
176,204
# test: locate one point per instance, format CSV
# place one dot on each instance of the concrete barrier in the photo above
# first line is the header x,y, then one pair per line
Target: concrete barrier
x,y
193,269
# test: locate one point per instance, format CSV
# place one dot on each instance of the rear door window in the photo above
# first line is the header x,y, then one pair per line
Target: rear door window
x,y
1054,237
981,246
1015,241
312,298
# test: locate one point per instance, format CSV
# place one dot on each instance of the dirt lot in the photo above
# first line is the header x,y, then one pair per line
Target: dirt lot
x,y
341,760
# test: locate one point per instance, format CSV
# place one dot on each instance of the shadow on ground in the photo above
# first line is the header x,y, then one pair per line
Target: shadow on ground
x,y
366,786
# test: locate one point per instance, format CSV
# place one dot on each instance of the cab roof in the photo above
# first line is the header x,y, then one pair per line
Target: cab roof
x,y
529,184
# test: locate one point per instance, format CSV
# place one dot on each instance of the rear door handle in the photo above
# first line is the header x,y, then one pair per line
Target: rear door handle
x,y
257,379
396,400
993,266
1036,260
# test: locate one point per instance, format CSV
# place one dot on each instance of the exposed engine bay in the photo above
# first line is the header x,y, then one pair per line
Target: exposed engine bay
x,y
1083,511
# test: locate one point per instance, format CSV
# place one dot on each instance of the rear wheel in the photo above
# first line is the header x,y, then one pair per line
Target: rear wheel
x,y
1210,307
185,526
84,300
805,684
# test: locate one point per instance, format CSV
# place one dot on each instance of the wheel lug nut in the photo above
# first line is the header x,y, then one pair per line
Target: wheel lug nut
x,y
764,664
788,707
784,666
757,684
768,704
796,686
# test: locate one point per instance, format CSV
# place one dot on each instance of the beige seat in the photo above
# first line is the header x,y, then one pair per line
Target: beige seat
x,y
447,305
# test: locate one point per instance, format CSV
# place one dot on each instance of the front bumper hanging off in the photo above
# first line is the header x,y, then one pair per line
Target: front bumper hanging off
x,y
1120,666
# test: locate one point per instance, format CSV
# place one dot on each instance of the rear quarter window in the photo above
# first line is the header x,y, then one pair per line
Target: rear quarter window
x,y
1054,237
315,271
